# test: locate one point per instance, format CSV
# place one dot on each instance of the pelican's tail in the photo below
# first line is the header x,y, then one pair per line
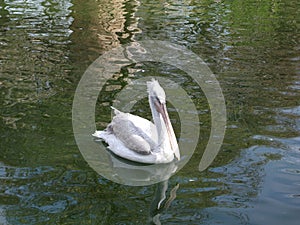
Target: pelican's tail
x,y
98,134
116,111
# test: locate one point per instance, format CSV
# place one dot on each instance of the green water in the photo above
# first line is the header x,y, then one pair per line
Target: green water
x,y
251,46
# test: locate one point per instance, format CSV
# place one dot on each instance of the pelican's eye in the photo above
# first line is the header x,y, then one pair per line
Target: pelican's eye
x,y
158,105
157,99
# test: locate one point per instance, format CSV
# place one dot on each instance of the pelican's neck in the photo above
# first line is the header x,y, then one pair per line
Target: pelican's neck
x,y
162,135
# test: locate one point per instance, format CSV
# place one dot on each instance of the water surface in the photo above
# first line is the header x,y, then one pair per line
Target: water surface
x,y
251,46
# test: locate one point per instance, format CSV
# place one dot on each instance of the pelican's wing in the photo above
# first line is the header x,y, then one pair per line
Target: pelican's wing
x,y
141,123
118,148
133,134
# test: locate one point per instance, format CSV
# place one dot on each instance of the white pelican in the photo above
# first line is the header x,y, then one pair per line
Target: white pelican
x,y
137,139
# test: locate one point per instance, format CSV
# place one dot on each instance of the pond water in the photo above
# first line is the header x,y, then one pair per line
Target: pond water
x,y
253,49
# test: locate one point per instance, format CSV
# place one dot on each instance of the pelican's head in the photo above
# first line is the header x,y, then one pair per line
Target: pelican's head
x,y
157,98
156,91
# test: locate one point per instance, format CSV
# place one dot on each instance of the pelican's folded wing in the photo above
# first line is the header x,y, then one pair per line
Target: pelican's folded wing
x,y
131,135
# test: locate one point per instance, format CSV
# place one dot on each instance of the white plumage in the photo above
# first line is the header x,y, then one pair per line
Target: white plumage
x,y
138,139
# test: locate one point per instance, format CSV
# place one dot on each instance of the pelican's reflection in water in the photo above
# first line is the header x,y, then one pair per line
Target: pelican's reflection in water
x,y
159,203
131,173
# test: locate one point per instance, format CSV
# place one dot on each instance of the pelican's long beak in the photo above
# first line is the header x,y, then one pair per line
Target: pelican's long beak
x,y
162,109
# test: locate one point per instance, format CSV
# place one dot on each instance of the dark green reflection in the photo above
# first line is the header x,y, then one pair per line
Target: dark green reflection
x,y
251,46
